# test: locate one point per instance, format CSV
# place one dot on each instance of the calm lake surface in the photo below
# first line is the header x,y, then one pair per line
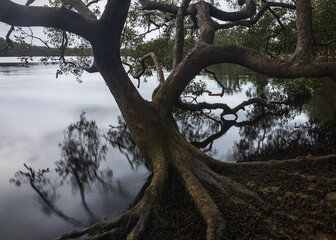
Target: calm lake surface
x,y
36,109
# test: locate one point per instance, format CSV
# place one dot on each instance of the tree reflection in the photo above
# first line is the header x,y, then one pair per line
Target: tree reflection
x,y
285,142
120,137
322,107
83,150
202,128
85,146
41,185
232,77
82,153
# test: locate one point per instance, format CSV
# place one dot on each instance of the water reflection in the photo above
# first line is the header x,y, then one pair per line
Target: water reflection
x,y
285,141
83,151
33,140
202,128
322,106
45,190
233,77
120,137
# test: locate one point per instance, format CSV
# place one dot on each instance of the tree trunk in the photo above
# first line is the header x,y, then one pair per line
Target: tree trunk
x,y
229,205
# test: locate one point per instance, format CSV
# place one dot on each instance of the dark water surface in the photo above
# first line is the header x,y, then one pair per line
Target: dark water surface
x,y
36,110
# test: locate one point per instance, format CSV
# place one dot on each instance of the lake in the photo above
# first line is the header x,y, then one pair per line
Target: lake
x,y
36,110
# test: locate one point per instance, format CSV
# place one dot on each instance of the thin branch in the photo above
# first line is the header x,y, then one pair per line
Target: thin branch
x,y
32,36
63,47
260,117
142,62
219,83
8,40
226,110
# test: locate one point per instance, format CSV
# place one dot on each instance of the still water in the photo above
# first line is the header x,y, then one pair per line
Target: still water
x,y
35,112
36,109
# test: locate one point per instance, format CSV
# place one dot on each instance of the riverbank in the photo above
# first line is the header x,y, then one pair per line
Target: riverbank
x,y
298,203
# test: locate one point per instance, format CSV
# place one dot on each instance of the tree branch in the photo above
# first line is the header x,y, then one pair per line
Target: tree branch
x,y
218,82
151,5
248,11
205,105
8,40
179,38
304,31
142,62
206,25
255,19
81,8
114,17
204,55
19,15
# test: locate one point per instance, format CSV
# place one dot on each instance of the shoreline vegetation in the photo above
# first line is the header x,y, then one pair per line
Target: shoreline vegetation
x,y
25,49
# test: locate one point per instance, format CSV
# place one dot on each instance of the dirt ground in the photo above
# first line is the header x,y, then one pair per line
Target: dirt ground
x,y
299,202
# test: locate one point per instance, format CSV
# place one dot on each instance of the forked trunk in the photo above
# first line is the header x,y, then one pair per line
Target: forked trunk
x,y
233,200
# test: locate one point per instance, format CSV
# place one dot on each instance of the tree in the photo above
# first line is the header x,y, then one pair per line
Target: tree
x,y
168,155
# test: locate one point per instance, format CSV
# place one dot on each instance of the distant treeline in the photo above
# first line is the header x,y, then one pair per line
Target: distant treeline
x,y
24,49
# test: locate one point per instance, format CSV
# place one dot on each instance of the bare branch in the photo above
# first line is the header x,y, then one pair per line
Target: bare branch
x,y
226,110
260,117
248,11
142,62
32,36
225,125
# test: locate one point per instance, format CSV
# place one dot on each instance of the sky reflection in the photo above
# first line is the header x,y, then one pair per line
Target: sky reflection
x,y
36,108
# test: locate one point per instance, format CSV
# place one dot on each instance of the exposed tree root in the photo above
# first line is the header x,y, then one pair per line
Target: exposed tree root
x,y
199,179
205,204
253,201
131,224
